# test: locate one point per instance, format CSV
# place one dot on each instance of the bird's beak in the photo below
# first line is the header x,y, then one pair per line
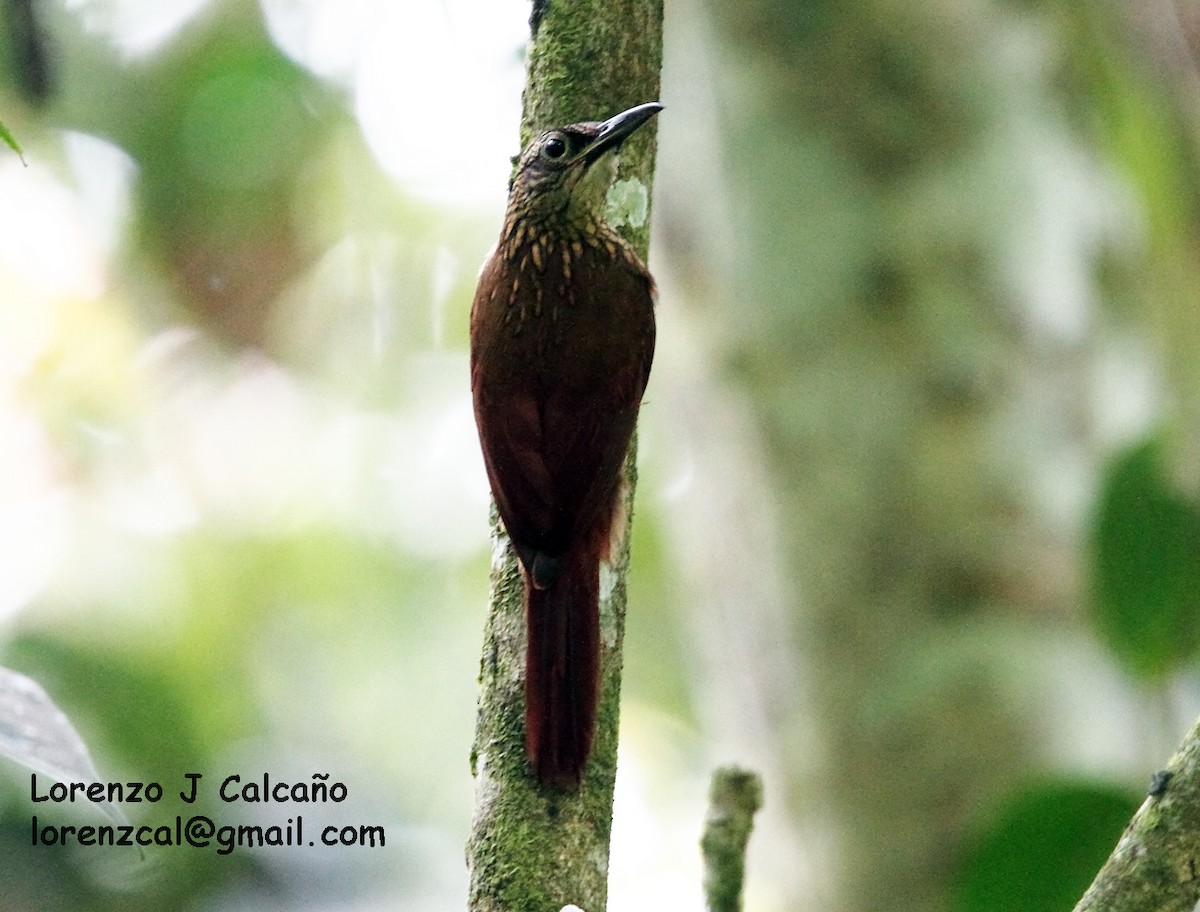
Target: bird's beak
x,y
616,130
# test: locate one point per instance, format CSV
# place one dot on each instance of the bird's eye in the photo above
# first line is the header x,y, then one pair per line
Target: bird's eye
x,y
554,147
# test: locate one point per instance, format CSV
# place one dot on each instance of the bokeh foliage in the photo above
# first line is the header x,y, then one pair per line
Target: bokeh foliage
x,y
917,519
953,224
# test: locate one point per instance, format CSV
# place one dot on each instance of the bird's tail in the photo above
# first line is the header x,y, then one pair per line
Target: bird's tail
x,y
562,669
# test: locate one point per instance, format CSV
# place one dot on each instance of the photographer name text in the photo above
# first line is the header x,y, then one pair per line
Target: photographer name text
x,y
232,789
198,830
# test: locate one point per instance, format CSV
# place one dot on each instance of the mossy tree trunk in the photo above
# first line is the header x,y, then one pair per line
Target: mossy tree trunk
x,y
532,849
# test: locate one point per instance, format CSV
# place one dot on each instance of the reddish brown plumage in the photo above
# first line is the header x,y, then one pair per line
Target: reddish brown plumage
x,y
562,336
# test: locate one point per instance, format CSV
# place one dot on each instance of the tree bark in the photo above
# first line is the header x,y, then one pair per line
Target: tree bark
x,y
733,800
1154,867
530,848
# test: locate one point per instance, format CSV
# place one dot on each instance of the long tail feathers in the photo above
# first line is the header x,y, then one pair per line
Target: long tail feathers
x,y
562,670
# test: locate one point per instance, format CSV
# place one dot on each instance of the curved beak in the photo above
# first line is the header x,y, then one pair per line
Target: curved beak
x,y
616,130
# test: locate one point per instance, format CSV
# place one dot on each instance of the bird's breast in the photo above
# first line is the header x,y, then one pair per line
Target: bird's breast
x,y
562,309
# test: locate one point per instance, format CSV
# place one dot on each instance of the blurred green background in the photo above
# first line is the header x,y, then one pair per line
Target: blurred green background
x,y
918,533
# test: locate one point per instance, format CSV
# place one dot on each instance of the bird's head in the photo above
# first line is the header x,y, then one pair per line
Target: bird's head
x,y
565,172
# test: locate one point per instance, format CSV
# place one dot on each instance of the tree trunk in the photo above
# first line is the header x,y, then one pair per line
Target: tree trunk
x,y
530,848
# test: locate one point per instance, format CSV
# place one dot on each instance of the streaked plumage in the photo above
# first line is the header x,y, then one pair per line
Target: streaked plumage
x,y
562,337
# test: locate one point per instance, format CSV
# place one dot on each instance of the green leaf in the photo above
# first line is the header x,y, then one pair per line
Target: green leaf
x,y
1043,848
11,141
1146,566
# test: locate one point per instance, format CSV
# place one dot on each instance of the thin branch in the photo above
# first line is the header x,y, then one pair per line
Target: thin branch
x,y
734,798
1156,864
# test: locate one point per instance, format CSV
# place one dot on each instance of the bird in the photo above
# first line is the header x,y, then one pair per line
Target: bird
x,y
562,335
